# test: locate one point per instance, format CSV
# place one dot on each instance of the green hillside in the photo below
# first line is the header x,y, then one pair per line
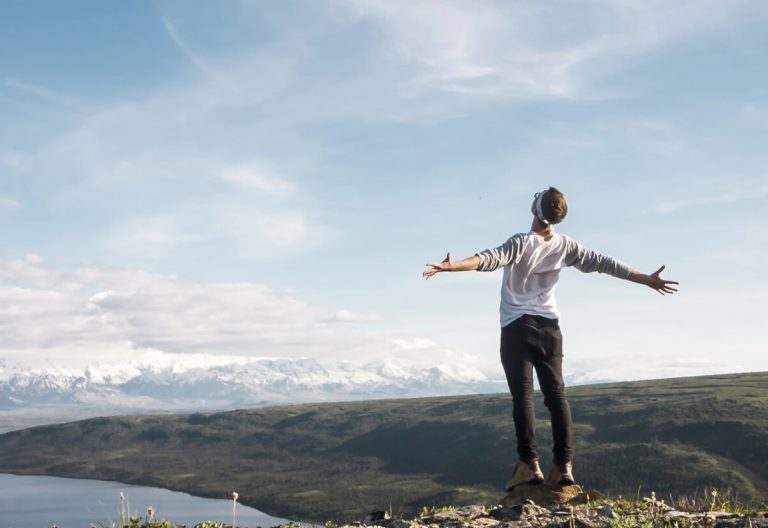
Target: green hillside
x,y
339,461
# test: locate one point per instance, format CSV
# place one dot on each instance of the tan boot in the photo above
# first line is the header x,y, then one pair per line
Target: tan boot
x,y
561,475
526,473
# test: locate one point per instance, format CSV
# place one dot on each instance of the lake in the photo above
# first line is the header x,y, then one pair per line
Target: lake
x,y
40,502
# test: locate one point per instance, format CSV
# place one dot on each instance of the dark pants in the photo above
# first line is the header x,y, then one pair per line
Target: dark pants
x,y
535,342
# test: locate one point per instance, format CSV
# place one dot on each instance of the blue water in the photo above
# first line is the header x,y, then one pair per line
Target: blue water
x,y
41,502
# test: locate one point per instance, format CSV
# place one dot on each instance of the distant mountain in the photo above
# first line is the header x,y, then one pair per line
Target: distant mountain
x,y
341,460
258,382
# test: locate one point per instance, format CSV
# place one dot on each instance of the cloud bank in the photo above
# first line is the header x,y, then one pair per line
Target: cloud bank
x,y
90,314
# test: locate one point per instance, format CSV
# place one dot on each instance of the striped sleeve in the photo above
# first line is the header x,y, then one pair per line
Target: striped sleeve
x,y
587,261
493,259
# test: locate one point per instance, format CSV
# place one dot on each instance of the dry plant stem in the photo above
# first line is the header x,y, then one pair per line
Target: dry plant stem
x,y
235,496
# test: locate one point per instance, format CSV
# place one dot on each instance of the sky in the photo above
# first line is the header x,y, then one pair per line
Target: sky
x,y
242,179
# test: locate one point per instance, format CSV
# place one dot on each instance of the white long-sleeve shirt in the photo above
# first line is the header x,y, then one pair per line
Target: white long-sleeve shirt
x,y
532,267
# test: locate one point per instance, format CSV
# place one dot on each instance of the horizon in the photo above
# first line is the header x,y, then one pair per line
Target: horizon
x,y
183,183
82,406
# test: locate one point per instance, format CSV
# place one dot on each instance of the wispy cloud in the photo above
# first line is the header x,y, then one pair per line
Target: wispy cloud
x,y
181,162
45,94
731,194
152,236
259,177
7,203
199,62
536,50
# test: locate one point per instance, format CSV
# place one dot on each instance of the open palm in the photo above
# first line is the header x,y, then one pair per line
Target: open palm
x,y
661,285
433,268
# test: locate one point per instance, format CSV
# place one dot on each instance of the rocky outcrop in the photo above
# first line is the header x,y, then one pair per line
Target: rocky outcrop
x,y
566,507
549,495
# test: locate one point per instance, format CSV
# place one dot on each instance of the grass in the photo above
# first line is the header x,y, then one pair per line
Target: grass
x,y
431,510
340,461
712,499
636,512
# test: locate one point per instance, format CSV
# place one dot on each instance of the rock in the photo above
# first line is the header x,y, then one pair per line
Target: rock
x,y
743,522
465,513
394,523
380,518
565,509
720,515
506,513
522,524
528,514
674,514
587,496
441,517
544,494
531,508
581,521
608,513
485,522
375,517
472,511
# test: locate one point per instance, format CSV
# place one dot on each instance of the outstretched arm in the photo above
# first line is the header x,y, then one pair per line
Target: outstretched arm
x,y
468,264
653,280
486,260
588,261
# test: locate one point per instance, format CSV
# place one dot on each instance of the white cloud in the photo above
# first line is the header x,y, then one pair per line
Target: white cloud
x,y
258,177
417,343
348,316
43,93
34,258
93,314
166,170
729,193
88,315
249,228
8,203
184,48
534,50
152,236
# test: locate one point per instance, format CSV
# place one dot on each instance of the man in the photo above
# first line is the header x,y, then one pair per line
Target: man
x,y
530,334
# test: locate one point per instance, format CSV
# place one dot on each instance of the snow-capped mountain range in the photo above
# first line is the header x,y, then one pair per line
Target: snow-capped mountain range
x,y
242,383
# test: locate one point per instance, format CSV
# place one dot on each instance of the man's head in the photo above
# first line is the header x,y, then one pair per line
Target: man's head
x,y
550,206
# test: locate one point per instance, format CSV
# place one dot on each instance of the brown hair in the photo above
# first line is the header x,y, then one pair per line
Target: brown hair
x,y
553,206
